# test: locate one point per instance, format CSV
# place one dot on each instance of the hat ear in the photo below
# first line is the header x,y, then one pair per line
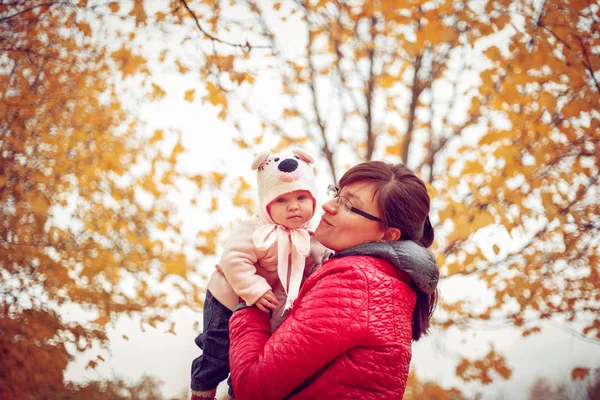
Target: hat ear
x,y
260,157
303,155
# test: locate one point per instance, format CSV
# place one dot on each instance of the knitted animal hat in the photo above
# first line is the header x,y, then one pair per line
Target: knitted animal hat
x,y
283,173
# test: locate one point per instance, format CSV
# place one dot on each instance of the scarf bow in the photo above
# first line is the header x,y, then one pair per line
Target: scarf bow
x,y
264,237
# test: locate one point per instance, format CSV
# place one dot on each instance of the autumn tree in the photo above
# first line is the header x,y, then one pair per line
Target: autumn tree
x,y
533,173
147,388
74,164
419,389
493,103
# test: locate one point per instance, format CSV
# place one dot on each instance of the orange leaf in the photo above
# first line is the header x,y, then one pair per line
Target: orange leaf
x,y
157,92
579,373
189,95
177,265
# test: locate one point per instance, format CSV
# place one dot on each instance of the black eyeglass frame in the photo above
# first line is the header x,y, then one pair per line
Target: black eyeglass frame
x,y
334,191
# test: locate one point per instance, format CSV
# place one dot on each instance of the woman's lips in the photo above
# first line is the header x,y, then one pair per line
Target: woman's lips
x,y
324,220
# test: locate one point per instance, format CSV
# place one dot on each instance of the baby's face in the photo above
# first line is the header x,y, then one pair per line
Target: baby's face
x,y
292,209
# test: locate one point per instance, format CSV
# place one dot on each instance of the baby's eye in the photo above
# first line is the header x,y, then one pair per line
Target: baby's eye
x,y
302,197
276,159
280,200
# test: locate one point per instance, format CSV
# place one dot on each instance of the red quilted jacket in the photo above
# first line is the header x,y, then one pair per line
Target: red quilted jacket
x,y
348,336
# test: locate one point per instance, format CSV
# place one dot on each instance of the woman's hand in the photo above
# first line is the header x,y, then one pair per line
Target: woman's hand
x,y
267,302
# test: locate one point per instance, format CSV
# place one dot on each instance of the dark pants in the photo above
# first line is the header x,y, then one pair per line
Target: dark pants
x,y
212,367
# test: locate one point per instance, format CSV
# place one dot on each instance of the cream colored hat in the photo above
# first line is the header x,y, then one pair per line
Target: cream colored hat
x,y
283,173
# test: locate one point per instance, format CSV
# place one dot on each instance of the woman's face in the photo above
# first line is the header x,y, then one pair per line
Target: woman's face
x,y
340,229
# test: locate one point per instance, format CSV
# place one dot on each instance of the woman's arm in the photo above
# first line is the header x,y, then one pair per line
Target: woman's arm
x,y
330,318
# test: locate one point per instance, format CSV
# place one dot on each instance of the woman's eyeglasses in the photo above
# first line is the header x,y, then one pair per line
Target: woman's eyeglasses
x,y
334,193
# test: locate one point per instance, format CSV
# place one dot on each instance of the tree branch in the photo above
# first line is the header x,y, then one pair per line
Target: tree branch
x,y
416,91
246,46
369,93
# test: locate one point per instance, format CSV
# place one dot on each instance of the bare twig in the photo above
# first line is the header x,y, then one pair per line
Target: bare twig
x,y
369,92
246,46
416,92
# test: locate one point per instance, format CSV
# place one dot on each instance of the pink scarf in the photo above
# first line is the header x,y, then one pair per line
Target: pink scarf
x,y
264,236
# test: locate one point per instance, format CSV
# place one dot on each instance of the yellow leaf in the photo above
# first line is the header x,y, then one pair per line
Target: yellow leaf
x,y
441,259
198,179
290,113
176,265
85,28
181,68
548,101
215,95
386,81
102,320
496,249
216,178
40,205
501,21
157,137
258,140
453,268
493,54
412,49
395,149
139,13
482,219
189,95
160,16
214,204
211,241
157,92
226,63
177,149
241,143
127,62
473,167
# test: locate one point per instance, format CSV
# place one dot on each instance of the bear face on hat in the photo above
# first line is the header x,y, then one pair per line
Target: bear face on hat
x,y
282,173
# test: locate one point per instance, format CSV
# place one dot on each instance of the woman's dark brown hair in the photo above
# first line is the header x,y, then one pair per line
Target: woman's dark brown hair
x,y
403,203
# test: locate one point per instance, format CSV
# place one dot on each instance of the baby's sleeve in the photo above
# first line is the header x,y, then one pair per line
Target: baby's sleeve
x,y
238,264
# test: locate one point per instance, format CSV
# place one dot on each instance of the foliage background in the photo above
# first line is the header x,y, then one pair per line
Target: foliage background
x,y
127,126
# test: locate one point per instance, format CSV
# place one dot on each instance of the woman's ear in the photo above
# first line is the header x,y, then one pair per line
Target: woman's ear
x,y
392,234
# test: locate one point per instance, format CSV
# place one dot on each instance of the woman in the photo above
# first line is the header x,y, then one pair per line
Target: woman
x,y
349,333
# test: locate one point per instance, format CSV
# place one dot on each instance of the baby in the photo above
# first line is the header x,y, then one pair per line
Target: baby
x,y
264,261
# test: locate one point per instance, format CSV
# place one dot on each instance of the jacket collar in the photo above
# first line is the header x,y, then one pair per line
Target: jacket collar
x,y
407,256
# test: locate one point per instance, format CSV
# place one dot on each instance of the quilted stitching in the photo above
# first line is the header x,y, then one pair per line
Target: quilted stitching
x,y
348,336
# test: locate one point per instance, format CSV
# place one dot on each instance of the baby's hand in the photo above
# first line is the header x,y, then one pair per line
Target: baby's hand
x,y
267,301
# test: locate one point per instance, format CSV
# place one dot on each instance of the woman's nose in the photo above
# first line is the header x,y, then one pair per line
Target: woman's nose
x,y
330,206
